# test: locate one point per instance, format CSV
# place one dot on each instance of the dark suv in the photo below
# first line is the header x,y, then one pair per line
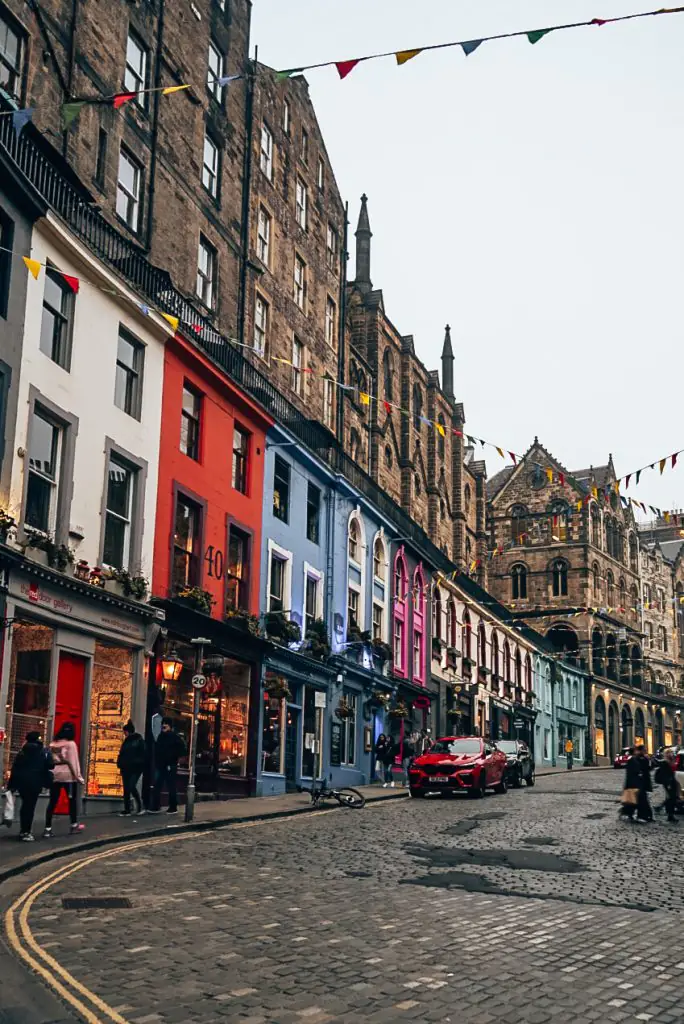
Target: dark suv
x,y
520,764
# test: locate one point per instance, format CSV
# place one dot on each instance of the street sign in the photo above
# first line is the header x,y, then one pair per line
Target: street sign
x,y
320,699
198,680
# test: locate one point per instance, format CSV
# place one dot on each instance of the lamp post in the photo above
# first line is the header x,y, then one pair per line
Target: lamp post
x,y
198,681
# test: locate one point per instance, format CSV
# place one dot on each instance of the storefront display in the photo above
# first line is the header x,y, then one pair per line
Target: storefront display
x,y
28,697
272,742
110,708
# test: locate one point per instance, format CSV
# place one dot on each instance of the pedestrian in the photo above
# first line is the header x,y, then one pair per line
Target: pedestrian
x,y
637,787
66,776
569,750
665,777
407,755
168,750
384,753
131,762
31,773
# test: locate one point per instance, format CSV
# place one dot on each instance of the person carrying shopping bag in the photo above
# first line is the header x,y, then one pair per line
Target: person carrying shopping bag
x,y
66,776
31,773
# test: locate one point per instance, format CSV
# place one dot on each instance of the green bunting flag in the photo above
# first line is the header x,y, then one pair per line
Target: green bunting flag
x,y
70,111
281,75
538,34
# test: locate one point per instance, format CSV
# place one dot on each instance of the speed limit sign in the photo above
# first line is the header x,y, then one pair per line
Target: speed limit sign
x,y
198,681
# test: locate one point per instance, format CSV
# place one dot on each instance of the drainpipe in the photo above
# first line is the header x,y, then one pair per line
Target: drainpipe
x,y
250,86
341,331
155,123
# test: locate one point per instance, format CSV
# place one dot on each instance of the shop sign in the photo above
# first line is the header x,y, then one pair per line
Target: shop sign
x,y
320,699
37,596
335,743
518,723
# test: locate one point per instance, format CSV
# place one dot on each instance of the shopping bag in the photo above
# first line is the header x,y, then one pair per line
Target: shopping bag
x,y
8,812
630,797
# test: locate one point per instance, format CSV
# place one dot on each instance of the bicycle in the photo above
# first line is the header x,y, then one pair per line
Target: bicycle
x,y
346,797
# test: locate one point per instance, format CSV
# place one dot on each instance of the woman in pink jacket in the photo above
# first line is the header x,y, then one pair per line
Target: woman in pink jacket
x,y
66,774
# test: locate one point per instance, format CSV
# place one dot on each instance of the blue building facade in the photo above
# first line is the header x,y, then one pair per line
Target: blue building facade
x,y
560,690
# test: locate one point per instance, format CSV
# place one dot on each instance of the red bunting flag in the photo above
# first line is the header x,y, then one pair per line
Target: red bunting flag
x,y
123,97
73,282
674,459
345,67
387,408
597,21
561,479
514,458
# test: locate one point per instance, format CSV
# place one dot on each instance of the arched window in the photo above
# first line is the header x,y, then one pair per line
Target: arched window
x,y
595,526
442,509
468,550
507,661
519,583
610,589
597,652
519,533
559,578
466,635
619,543
466,499
354,445
596,581
419,625
388,374
441,434
558,512
356,573
610,536
437,614
622,595
633,553
495,654
518,668
528,674
417,407
634,602
482,645
379,559
354,540
400,615
452,624
416,484
662,639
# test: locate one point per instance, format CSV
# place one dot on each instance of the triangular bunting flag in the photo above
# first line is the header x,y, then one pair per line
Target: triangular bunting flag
x,y
172,320
538,34
225,79
627,479
345,67
597,21
405,55
20,118
499,450
33,266
387,407
364,398
471,440
70,111
594,491
561,479
549,474
176,88
638,475
662,465
470,46
73,282
440,429
514,458
674,459
123,97
280,75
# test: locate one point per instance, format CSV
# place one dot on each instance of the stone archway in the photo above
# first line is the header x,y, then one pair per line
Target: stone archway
x,y
600,727
627,726
613,730
639,726
659,729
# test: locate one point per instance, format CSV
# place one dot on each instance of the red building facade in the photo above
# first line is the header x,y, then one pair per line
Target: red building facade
x,y
207,564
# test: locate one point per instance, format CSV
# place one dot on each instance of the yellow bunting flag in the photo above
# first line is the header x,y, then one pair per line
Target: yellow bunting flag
x,y
173,320
667,517
33,266
405,55
501,453
594,491
549,473
174,88
440,429
579,505
364,398
662,464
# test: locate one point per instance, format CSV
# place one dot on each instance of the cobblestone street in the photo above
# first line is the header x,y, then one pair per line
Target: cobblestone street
x,y
536,906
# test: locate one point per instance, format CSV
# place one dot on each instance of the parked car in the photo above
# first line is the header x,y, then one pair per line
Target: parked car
x,y
622,758
459,764
519,763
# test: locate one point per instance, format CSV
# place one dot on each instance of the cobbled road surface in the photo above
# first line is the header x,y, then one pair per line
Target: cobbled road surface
x,y
536,906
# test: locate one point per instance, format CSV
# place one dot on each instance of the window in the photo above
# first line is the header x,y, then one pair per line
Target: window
x,y
320,174
466,636
596,580
559,522
348,730
304,151
11,58
441,436
186,545
595,527
519,583
135,74
417,407
313,513
662,639
328,402
237,571
273,735
452,624
215,71
287,117
398,651
437,614
389,458
240,459
647,595
128,382
354,445
333,248
311,602
281,489
264,236
101,159
354,541
43,475
206,272
128,190
55,328
276,592
353,599
116,551
210,166
387,374
417,654
610,589
301,203
299,281
266,161
519,534
190,422
378,622
261,315
466,499
559,574
379,560
297,366
330,319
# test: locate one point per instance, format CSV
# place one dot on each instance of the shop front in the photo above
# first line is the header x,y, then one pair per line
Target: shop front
x,y
502,712
76,653
571,726
461,715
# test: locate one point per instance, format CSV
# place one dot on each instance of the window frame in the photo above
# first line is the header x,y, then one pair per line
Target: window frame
x,y
328,402
280,464
304,146
137,75
330,321
17,71
134,199
240,459
302,203
313,535
138,469
287,116
264,240
332,247
312,575
266,152
192,419
298,365
299,287
243,582
207,280
68,424
320,174
213,88
261,326
212,173
183,495
64,315
136,372
277,553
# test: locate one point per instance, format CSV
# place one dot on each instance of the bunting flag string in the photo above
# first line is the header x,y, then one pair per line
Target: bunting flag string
x,y
468,46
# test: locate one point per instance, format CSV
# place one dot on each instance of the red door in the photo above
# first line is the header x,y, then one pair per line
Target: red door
x,y
69,704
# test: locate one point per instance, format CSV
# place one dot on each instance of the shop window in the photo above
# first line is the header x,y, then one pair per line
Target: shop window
x,y
313,513
186,544
111,698
281,489
348,731
55,327
312,735
190,422
129,368
28,695
273,735
237,571
121,484
240,474
45,444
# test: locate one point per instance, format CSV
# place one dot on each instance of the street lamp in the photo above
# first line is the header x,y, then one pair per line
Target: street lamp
x,y
172,666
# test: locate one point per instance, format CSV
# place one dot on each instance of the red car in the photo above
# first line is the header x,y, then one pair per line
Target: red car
x,y
459,764
622,758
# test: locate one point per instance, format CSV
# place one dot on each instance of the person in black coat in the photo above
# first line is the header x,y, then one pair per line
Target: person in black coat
x,y
131,762
168,750
31,773
665,777
385,751
638,776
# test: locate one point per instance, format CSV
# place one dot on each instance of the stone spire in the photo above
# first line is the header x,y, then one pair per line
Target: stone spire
x,y
447,364
363,248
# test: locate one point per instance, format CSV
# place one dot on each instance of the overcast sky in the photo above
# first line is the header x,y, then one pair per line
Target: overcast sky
x,y
530,196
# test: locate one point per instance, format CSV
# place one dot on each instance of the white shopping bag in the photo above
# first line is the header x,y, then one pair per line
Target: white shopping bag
x,y
8,812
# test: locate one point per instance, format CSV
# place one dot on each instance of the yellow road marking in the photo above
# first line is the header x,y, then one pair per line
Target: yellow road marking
x,y
22,907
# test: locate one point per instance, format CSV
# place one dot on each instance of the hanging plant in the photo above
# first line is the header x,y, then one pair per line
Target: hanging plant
x,y
195,597
279,627
277,688
317,639
244,620
343,709
382,651
132,586
381,699
400,710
